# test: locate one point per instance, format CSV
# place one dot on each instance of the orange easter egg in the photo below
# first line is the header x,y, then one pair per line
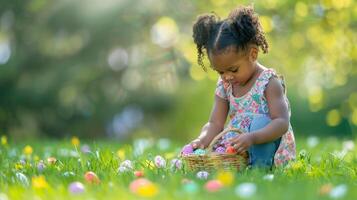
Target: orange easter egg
x,y
231,150
91,177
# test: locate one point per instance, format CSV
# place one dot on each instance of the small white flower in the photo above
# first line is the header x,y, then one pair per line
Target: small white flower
x,y
127,164
245,190
312,141
122,169
160,162
74,154
202,175
176,164
338,191
268,177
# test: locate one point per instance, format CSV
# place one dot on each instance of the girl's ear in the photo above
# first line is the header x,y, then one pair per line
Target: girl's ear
x,y
253,54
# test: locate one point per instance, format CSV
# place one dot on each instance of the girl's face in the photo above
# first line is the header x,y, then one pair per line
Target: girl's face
x,y
233,66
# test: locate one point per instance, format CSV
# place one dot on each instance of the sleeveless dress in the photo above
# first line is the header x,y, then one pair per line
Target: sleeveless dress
x,y
242,110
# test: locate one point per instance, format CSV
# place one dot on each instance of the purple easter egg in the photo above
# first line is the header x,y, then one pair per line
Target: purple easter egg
x,y
76,188
220,149
85,148
187,149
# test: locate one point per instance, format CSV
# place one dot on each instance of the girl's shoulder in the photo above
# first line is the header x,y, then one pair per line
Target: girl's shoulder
x,y
270,75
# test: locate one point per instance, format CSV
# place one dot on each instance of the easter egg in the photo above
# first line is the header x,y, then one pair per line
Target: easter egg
x,y
85,148
220,149
245,190
51,160
202,175
213,185
199,152
187,149
139,174
190,187
91,177
76,188
136,184
231,150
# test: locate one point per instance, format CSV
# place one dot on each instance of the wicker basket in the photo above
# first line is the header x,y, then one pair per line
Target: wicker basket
x,y
213,161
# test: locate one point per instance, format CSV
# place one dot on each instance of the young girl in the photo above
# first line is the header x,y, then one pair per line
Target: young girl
x,y
252,95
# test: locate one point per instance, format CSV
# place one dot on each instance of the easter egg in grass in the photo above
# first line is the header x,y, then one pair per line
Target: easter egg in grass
x,y
91,177
213,185
76,188
139,173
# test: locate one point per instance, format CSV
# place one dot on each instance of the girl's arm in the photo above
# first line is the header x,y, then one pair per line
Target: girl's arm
x,y
278,110
216,121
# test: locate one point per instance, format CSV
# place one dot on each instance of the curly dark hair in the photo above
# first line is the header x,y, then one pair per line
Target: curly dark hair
x,y
240,28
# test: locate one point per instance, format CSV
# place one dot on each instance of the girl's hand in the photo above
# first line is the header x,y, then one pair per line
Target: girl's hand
x,y
242,142
197,144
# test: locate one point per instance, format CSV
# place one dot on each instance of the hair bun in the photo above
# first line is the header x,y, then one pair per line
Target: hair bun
x,y
244,24
203,28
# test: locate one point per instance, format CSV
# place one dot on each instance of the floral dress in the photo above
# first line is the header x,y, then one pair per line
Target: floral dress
x,y
243,109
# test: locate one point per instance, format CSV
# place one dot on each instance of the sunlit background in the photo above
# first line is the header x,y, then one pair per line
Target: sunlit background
x,y
127,68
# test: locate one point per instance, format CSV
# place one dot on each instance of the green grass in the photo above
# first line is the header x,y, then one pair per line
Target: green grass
x,y
316,167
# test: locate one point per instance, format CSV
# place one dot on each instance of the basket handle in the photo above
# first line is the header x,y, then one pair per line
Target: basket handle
x,y
209,148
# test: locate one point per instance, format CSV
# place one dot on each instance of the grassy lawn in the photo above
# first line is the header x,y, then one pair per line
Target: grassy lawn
x,y
325,169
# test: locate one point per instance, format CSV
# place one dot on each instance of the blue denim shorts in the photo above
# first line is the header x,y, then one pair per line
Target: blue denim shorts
x,y
262,155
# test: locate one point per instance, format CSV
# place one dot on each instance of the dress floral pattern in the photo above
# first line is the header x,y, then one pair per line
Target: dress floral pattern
x,y
243,109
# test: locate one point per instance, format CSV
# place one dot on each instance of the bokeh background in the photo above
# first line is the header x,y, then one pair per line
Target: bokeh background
x,y
122,69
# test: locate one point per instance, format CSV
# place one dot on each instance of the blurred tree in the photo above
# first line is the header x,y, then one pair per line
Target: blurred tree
x,y
76,67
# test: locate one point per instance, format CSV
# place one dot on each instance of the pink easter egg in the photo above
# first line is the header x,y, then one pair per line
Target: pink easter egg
x,y
213,185
187,149
139,174
136,184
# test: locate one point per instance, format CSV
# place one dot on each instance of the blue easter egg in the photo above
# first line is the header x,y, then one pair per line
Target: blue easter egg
x,y
199,152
